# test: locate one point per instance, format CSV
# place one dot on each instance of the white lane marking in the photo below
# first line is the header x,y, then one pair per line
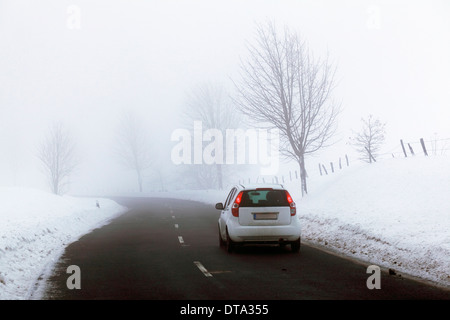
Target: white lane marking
x,y
173,217
202,269
180,238
176,225
220,272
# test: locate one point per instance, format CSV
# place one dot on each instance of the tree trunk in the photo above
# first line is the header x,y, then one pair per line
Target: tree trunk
x,y
303,176
139,176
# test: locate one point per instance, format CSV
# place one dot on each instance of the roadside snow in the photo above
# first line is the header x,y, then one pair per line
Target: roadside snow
x,y
394,213
35,226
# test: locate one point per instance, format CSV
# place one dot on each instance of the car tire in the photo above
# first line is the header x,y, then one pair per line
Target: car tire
x,y
295,245
229,243
222,243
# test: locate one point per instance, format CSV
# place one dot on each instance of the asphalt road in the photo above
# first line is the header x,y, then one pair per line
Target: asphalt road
x,y
164,249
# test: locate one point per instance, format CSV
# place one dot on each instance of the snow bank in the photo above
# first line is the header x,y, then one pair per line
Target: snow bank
x,y
35,226
394,213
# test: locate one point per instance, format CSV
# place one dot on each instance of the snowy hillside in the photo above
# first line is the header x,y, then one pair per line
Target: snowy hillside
x,y
35,227
394,213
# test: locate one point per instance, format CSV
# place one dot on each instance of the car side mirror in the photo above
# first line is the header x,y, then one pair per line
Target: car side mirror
x,y
219,206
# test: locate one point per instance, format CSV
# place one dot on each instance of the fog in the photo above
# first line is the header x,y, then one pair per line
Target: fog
x,y
85,63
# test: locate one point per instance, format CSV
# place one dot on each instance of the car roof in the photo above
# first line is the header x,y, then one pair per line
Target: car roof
x,y
253,186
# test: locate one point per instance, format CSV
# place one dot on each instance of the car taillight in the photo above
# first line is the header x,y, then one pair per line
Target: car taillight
x,y
291,204
235,207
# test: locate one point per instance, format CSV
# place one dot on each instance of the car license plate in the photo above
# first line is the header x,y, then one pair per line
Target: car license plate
x,y
265,215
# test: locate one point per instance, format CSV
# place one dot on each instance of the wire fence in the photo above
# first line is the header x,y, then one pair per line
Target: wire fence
x,y
404,149
432,147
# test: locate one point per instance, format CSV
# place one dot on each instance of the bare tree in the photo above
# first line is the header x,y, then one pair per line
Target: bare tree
x,y
284,86
200,177
210,104
369,140
57,153
132,146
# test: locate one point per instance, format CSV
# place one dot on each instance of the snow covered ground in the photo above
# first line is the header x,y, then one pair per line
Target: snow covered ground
x,y
35,226
394,213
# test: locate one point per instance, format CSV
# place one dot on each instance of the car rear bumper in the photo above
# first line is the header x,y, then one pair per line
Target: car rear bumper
x,y
265,234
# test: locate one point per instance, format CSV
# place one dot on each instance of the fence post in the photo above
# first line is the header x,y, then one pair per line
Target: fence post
x,y
320,169
340,164
411,149
423,146
403,147
332,168
325,169
346,159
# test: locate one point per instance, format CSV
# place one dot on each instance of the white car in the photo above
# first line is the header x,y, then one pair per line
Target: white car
x,y
256,214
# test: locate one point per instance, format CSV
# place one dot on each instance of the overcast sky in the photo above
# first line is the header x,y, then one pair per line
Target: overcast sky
x,y
85,62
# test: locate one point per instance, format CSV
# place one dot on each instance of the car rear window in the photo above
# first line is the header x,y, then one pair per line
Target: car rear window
x,y
264,198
